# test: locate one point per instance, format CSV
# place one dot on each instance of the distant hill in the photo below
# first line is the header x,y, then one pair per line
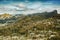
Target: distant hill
x,y
12,18
9,18
46,14
5,16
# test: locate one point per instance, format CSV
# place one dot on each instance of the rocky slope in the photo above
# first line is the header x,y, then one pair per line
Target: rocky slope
x,y
33,27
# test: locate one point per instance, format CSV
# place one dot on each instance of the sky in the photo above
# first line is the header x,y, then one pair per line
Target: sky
x,y
28,6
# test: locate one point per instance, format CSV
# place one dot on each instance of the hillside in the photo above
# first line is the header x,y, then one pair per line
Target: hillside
x,y
5,16
31,26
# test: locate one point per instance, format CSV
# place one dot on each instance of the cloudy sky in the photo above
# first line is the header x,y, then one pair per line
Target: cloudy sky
x,y
28,6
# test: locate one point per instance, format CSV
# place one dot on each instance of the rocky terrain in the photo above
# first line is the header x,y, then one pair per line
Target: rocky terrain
x,y
32,27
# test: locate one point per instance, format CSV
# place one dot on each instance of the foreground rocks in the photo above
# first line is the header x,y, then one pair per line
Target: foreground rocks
x,y
42,35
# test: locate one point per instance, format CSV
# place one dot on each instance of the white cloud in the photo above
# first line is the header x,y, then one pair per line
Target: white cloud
x,y
28,8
